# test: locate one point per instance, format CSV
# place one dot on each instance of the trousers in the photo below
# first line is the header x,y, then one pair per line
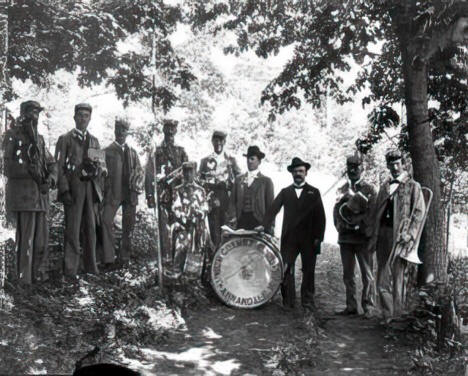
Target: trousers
x,y
349,254
289,254
80,224
32,237
391,297
108,237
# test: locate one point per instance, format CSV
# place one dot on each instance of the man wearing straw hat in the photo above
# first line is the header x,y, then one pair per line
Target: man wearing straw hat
x,y
352,218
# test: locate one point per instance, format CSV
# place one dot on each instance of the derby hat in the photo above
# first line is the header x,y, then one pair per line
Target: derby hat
x,y
254,150
298,162
353,159
190,165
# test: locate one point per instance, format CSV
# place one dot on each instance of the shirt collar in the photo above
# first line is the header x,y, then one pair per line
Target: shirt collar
x,y
122,146
402,177
300,186
254,173
355,184
80,133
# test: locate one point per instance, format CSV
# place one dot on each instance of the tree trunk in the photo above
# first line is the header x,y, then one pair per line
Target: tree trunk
x,y
425,164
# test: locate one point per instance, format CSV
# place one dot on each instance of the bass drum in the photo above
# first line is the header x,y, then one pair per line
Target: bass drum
x,y
247,269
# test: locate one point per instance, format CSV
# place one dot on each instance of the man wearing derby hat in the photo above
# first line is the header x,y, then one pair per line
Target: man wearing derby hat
x,y
252,194
352,216
163,161
31,171
80,191
399,218
218,172
302,232
123,184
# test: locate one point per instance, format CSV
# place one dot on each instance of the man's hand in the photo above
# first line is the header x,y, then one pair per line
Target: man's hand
x,y
67,198
260,228
35,173
151,202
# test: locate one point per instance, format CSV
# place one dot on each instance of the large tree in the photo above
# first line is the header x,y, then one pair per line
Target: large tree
x,y
398,44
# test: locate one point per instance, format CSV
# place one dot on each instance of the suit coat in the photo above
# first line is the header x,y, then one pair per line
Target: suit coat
x,y
262,196
22,191
408,205
69,153
114,187
304,217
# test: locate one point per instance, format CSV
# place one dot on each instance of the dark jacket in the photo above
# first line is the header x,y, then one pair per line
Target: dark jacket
x,y
22,191
69,153
304,217
262,196
348,234
119,188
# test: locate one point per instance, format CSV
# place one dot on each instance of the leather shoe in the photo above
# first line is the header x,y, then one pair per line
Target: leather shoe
x,y
347,312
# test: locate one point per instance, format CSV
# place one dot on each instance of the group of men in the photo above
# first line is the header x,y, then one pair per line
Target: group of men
x,y
192,206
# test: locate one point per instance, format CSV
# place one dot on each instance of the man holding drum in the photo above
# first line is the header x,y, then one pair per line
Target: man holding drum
x,y
302,232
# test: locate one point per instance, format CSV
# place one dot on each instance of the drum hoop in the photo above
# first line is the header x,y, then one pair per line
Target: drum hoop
x,y
273,247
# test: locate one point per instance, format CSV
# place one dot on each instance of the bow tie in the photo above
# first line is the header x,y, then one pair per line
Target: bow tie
x,y
298,187
395,181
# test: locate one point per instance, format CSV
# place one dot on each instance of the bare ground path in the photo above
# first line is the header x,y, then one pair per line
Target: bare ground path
x,y
269,340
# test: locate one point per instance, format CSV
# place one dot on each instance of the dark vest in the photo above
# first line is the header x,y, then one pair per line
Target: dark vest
x,y
247,204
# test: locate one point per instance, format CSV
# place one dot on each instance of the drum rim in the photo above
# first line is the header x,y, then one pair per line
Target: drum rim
x,y
275,250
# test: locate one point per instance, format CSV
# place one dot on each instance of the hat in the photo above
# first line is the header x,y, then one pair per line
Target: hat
x,y
219,134
25,105
298,162
189,165
254,150
168,123
353,159
122,123
83,106
393,155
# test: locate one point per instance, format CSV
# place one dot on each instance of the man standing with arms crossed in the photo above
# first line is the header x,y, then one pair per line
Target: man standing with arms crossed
x,y
352,216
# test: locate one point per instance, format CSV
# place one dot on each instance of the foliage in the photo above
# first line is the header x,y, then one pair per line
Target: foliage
x,y
90,37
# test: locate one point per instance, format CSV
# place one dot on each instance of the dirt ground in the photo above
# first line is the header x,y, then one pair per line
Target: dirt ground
x,y
47,329
269,340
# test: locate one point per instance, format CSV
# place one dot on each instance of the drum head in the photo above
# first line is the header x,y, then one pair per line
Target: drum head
x,y
247,271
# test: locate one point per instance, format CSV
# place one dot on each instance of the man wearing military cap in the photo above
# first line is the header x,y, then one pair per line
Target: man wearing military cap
x,y
302,232
252,194
123,184
164,162
217,175
31,171
352,216
81,165
398,218
192,244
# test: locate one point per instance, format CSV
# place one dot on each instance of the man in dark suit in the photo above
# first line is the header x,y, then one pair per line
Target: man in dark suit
x,y
302,232
123,184
80,190
252,194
